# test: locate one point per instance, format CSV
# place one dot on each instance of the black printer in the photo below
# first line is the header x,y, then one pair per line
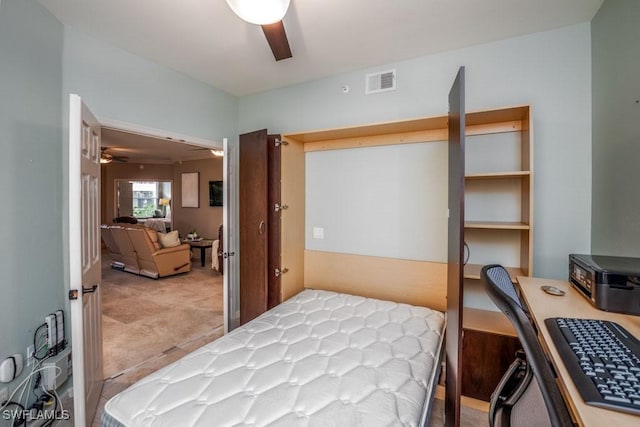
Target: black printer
x,y
610,283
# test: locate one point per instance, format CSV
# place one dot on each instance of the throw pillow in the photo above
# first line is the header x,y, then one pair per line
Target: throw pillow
x,y
153,235
169,240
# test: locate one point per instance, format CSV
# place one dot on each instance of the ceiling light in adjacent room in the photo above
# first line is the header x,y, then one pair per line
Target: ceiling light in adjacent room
x,y
217,153
106,158
260,12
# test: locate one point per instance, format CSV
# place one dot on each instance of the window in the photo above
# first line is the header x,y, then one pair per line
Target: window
x,y
143,199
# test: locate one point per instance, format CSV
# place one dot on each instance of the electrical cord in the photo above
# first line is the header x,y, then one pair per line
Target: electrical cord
x,y
35,344
19,421
36,365
56,399
24,381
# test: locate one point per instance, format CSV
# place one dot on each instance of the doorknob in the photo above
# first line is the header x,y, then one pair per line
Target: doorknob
x,y
261,227
89,290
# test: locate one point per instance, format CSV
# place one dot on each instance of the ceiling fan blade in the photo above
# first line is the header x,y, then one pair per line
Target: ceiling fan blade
x,y
277,38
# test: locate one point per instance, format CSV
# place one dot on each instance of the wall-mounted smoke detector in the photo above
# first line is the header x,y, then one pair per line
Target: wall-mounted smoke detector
x,y
382,81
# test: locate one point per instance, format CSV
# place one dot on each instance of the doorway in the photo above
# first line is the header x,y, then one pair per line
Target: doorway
x,y
149,323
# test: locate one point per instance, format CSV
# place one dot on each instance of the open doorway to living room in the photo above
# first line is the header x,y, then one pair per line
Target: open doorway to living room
x,y
162,290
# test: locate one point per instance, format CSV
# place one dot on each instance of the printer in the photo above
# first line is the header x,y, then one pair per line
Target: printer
x,y
609,283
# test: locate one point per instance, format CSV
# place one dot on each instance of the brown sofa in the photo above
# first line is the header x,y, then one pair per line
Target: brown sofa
x,y
135,249
155,261
112,247
127,252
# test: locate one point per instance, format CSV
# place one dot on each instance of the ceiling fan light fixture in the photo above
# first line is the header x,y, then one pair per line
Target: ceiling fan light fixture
x,y
106,158
260,12
217,153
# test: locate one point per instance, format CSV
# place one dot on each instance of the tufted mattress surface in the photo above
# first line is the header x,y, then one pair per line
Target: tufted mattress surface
x,y
319,359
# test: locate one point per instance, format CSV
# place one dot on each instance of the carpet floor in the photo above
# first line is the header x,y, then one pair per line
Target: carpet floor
x,y
143,318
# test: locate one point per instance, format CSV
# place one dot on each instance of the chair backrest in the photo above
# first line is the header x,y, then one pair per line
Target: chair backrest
x,y
503,293
127,251
111,244
142,243
125,220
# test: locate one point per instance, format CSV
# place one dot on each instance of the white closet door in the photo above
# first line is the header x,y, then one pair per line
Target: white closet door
x,y
230,220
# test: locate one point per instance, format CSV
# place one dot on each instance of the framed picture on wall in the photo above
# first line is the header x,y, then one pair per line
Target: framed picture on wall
x,y
215,193
190,187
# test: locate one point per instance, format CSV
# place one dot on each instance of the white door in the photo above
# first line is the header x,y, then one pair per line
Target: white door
x,y
84,260
229,221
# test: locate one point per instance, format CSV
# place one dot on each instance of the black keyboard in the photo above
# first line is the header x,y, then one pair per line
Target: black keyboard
x,y
603,360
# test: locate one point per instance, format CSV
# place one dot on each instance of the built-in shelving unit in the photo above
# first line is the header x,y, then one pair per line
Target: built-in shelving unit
x,y
496,175
497,225
499,191
472,271
498,229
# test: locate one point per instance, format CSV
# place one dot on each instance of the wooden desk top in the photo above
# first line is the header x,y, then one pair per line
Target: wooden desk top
x,y
543,306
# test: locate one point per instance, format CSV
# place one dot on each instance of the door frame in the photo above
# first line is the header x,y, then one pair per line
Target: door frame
x,y
74,227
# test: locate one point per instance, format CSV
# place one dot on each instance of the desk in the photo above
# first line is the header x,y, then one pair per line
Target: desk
x,y
542,306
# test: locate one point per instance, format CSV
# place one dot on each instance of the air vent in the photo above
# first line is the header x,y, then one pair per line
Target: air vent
x,y
382,81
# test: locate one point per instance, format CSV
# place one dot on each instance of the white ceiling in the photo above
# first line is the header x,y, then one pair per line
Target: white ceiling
x,y
146,149
204,39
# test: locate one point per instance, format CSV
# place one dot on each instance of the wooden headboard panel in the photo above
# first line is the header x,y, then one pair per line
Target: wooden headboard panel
x,y
412,282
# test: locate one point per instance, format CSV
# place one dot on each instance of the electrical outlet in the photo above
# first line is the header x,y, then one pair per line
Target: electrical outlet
x,y
4,395
30,351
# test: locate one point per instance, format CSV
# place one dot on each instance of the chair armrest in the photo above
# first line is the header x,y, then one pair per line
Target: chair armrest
x,y
182,247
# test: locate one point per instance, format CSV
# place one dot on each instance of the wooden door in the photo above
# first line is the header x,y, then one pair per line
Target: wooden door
x,y
84,259
455,253
254,224
275,207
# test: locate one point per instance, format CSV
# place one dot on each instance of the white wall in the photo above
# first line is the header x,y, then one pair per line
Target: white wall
x,y
616,138
550,71
375,201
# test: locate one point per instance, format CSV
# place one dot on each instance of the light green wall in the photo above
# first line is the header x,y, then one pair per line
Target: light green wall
x,y
31,265
41,62
118,85
551,71
616,132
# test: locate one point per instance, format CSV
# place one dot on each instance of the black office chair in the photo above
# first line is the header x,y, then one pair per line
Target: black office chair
x,y
528,394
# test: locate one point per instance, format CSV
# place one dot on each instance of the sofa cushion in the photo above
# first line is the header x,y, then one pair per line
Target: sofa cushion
x,y
169,240
153,235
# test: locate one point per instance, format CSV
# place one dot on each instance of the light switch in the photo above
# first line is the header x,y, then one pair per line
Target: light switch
x,y
318,233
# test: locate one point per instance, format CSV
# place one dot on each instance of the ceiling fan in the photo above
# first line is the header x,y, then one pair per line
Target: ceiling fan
x,y
108,158
268,14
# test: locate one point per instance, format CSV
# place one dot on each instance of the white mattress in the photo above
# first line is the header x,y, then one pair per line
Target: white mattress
x,y
319,359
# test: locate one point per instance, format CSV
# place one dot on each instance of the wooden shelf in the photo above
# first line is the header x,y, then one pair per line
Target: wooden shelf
x,y
496,225
472,271
497,175
493,322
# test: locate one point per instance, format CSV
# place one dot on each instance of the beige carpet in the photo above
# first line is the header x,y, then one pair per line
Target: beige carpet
x,y
143,318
